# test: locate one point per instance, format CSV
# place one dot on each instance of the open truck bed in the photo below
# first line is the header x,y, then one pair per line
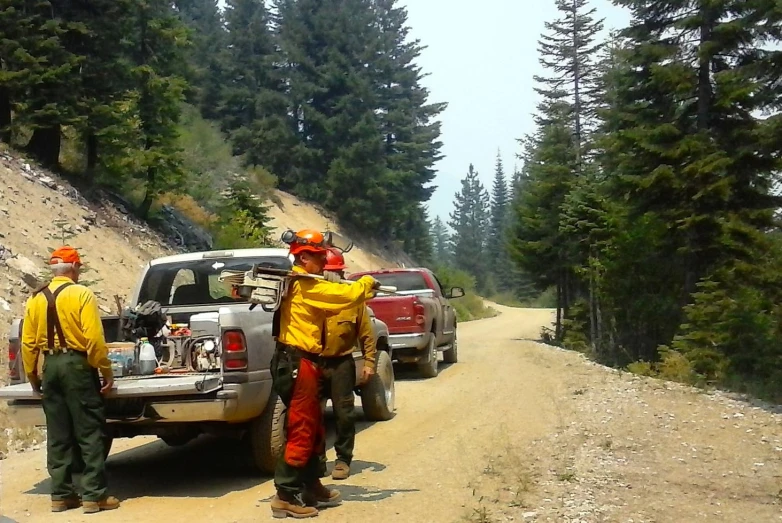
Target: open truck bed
x,y
137,386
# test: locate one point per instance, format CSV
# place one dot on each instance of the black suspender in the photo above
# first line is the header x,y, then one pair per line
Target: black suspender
x,y
52,319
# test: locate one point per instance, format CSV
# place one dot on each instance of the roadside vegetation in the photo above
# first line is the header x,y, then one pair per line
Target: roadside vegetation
x,y
649,192
469,307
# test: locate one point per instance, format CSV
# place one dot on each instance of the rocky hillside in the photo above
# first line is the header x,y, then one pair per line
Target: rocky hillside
x,y
39,210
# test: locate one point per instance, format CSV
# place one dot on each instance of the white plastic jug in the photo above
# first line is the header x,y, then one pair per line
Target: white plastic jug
x,y
147,361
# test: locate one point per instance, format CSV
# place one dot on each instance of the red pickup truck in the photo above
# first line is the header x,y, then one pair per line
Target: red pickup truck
x,y
421,322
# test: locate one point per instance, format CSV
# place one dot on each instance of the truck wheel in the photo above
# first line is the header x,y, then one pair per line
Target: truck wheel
x,y
427,367
267,435
378,396
452,355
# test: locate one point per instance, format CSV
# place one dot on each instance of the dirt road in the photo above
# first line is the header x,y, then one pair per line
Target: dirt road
x,y
516,431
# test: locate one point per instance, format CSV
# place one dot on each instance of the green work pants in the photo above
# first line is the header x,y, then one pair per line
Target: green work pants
x,y
338,383
75,421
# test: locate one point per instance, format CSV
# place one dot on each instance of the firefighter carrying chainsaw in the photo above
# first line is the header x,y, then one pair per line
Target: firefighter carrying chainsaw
x,y
300,332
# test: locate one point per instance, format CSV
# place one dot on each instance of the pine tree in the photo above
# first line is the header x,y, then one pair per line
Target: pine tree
x,y
538,246
206,75
159,41
255,105
40,74
106,97
243,215
418,243
569,51
471,222
499,221
441,242
407,120
690,156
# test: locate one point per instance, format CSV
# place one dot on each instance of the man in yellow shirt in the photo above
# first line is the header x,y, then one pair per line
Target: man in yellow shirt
x,y
343,332
62,321
296,372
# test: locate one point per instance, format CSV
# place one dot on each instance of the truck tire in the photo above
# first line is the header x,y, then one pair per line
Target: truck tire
x,y
452,355
427,366
378,396
267,435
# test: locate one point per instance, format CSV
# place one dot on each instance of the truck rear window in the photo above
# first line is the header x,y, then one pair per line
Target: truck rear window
x,y
195,282
403,281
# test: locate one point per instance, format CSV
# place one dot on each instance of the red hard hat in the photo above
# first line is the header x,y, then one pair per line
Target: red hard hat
x,y
334,260
307,240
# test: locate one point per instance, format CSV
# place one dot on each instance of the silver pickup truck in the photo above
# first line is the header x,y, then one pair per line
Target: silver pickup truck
x,y
228,392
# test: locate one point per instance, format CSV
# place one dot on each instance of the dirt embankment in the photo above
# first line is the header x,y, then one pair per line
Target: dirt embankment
x,y
39,211
288,212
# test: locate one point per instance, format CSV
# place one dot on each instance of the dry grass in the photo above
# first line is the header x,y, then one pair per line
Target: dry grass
x,y
190,208
508,480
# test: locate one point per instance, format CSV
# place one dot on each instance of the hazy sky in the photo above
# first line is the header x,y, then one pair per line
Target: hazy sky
x,y
481,57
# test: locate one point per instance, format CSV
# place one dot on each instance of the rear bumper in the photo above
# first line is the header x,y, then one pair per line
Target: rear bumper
x,y
234,404
417,341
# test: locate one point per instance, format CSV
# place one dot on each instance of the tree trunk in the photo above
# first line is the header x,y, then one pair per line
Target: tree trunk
x,y
146,205
44,145
558,327
593,337
704,69
5,115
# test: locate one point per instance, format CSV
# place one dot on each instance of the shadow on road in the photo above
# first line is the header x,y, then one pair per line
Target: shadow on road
x,y
365,494
409,371
207,467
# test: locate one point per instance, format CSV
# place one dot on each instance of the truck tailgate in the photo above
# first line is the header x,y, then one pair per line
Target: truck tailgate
x,y
397,312
131,387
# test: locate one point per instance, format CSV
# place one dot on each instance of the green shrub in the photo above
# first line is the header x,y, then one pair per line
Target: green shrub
x,y
470,306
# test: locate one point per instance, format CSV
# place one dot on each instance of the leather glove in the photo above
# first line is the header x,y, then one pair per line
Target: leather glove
x,y
331,276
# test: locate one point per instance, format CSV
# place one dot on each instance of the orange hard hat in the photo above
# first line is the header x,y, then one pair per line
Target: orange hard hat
x,y
65,254
306,240
334,260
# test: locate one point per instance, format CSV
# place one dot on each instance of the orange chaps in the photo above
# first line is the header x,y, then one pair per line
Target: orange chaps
x,y
306,434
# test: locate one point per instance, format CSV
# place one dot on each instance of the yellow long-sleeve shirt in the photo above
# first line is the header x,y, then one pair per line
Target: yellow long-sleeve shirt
x,y
309,302
77,309
346,328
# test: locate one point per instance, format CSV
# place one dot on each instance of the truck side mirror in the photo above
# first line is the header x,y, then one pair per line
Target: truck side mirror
x,y
456,292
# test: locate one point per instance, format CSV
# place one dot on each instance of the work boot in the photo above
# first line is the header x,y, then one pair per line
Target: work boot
x,y
61,505
316,493
341,470
284,505
107,503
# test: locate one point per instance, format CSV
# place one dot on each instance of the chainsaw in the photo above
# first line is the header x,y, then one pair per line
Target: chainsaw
x,y
267,286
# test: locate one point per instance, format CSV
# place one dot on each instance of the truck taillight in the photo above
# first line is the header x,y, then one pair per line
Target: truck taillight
x,y
234,350
419,312
13,368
